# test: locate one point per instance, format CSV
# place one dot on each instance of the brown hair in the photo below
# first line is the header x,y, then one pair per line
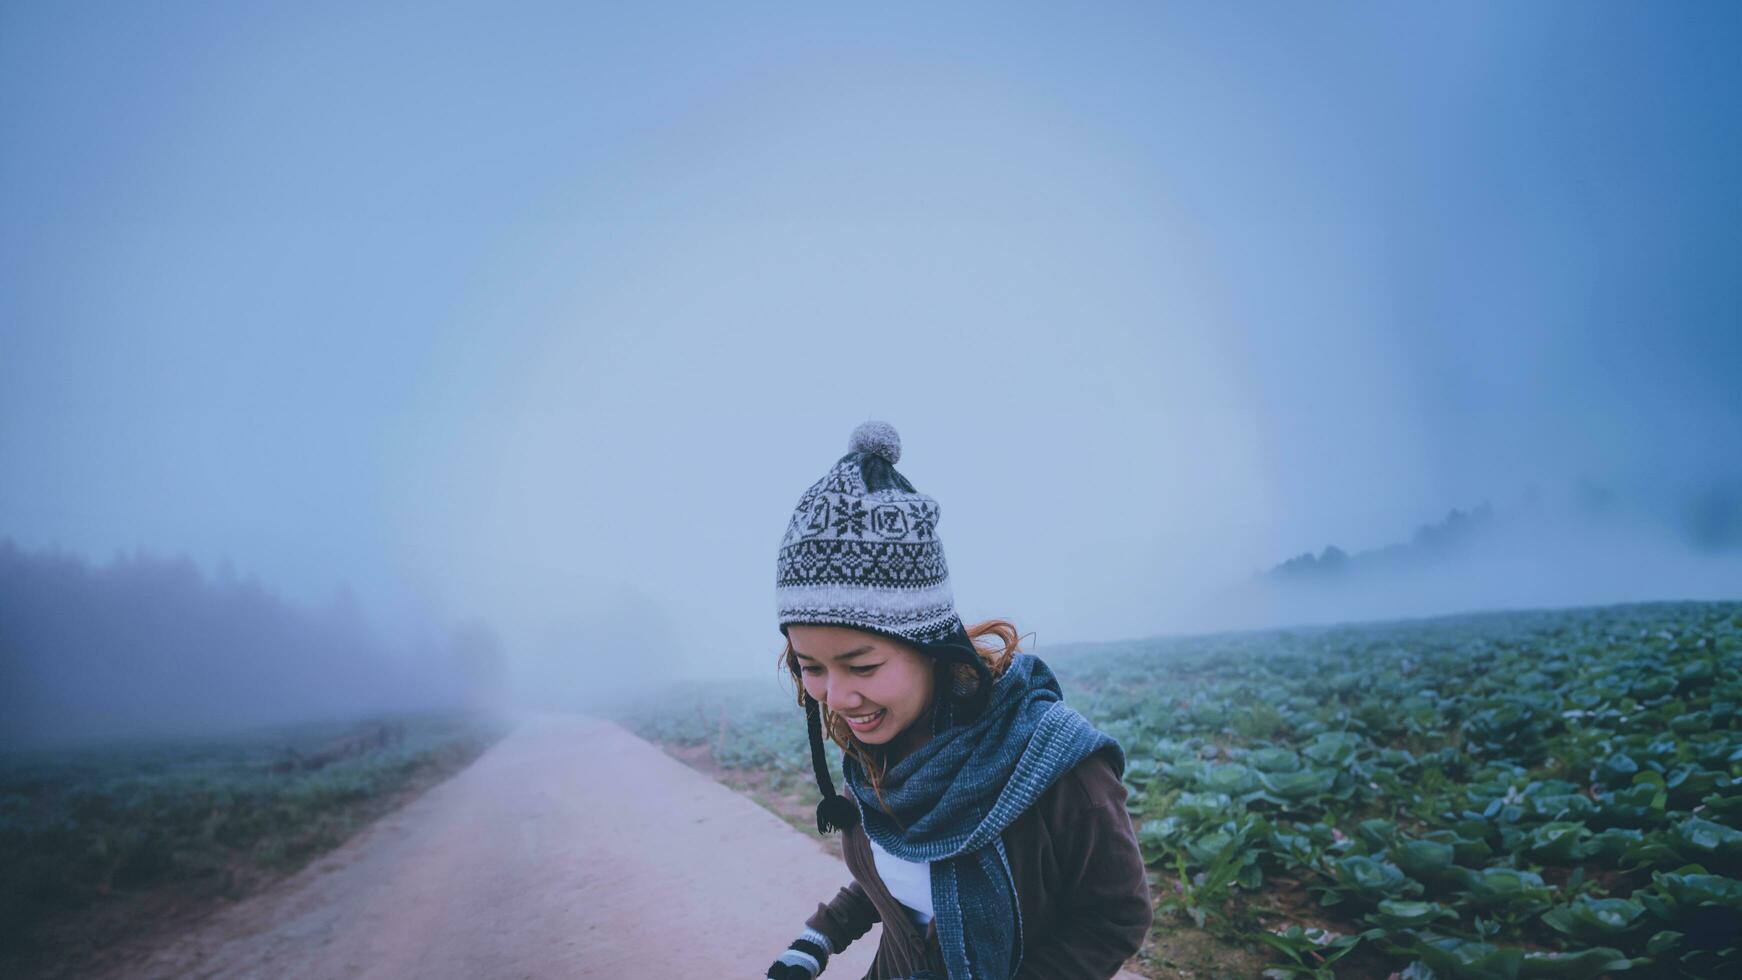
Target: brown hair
x,y
948,677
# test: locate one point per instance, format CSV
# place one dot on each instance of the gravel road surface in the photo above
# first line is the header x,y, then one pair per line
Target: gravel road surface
x,y
571,848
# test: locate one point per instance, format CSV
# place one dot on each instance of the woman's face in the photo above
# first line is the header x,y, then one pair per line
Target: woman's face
x,y
865,675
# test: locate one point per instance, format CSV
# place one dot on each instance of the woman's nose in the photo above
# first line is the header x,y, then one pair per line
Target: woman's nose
x,y
841,695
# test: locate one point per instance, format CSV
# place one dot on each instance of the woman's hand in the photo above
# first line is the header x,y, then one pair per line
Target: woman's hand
x,y
804,959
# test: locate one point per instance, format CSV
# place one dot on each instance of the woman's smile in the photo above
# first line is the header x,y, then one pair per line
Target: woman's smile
x,y
864,723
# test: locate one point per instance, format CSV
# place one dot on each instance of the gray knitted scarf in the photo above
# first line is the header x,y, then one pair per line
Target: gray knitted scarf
x,y
955,795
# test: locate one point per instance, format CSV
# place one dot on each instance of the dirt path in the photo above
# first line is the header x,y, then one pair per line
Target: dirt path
x,y
569,849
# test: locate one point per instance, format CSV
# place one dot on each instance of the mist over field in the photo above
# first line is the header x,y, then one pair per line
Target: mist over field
x,y
1584,551
361,359
149,648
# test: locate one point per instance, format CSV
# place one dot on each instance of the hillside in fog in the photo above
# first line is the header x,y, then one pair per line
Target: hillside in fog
x,y
1589,546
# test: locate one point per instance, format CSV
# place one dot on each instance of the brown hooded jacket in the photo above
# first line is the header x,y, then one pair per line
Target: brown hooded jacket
x,y
1080,883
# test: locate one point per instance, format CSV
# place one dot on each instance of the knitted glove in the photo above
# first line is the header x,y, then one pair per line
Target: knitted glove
x,y
804,959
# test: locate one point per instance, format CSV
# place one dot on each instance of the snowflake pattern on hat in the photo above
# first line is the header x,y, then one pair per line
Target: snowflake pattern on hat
x,y
859,553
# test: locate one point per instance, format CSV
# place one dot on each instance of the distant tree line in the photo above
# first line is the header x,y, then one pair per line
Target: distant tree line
x,y
148,645
1456,532
1707,519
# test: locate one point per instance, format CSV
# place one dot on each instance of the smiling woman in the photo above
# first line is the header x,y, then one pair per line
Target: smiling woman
x,y
876,694
984,822
878,687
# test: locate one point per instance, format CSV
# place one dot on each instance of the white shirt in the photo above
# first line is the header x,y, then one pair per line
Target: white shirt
x,y
908,881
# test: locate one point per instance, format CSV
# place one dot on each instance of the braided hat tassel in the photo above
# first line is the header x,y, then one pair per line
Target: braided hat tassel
x,y
835,812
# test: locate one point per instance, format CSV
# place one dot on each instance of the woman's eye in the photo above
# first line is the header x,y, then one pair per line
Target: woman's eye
x,y
863,671
812,670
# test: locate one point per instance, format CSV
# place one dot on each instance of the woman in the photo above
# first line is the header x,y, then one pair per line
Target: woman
x,y
985,821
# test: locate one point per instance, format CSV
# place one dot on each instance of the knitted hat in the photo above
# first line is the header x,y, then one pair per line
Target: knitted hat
x,y
862,550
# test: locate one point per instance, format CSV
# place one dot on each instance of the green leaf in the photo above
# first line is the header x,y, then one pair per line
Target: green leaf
x,y
1695,890
1230,778
1558,843
1297,786
1399,915
1616,770
1582,965
1333,749
1273,760
1608,846
1467,959
1424,860
1596,920
1662,942
1370,880
1700,838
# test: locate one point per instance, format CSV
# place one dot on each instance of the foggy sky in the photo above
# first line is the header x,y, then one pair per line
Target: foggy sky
x,y
546,316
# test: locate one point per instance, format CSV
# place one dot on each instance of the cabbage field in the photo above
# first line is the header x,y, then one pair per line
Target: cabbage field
x,y
1515,794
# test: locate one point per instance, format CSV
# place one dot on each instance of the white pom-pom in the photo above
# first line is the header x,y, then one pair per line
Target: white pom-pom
x,y
876,437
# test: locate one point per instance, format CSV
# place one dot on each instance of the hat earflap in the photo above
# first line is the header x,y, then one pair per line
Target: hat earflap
x,y
959,648
835,812
973,701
